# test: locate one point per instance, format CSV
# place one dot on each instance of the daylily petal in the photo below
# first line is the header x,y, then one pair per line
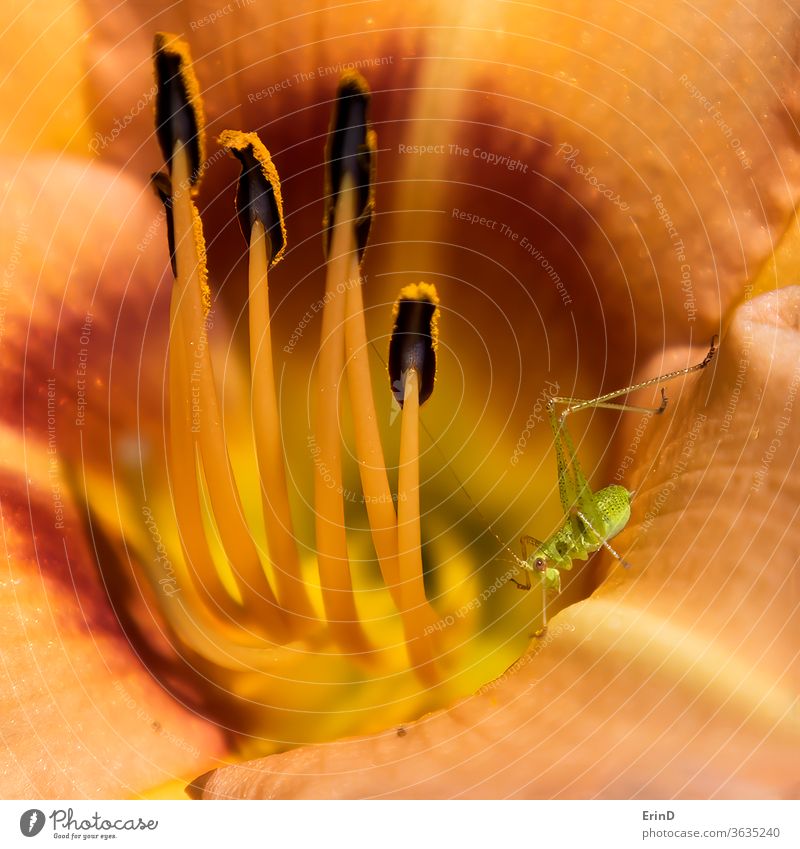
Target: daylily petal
x,y
45,101
683,119
83,305
80,712
678,677
661,161
655,101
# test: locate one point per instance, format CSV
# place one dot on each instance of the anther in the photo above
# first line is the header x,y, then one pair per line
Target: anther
x,y
350,151
258,196
414,341
179,113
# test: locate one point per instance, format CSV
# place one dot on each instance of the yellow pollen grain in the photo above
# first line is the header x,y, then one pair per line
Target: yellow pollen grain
x,y
237,140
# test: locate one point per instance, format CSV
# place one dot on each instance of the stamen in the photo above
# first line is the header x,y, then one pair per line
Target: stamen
x,y
351,151
258,599
183,461
258,193
260,211
602,540
221,611
412,371
334,564
190,360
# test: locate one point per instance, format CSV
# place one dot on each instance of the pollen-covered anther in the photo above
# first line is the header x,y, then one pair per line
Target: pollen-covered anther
x,y
415,339
178,107
350,152
258,194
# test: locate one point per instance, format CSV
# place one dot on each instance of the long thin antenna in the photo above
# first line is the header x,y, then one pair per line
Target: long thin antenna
x,y
517,559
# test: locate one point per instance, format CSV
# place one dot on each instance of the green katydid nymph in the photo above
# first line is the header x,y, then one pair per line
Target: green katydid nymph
x,y
591,519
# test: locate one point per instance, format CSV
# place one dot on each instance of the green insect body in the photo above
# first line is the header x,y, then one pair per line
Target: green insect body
x,y
575,540
591,518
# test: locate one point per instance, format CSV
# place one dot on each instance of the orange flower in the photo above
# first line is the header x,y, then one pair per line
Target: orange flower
x,y
598,186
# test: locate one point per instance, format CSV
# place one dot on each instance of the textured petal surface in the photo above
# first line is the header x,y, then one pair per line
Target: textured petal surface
x,y
81,715
44,105
648,150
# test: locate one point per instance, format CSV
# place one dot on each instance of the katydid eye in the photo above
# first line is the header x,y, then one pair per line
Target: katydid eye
x,y
539,563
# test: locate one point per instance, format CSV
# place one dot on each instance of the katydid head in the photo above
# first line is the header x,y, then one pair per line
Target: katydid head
x,y
538,559
545,567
